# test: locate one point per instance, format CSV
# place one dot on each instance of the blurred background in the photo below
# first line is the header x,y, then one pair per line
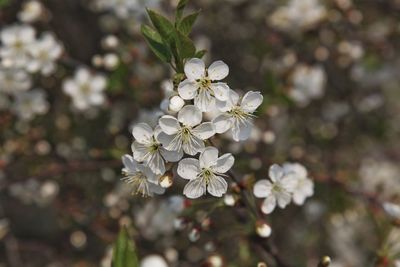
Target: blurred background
x,y
329,71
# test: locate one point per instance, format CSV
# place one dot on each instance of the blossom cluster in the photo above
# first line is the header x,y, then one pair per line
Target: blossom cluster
x,y
22,55
182,133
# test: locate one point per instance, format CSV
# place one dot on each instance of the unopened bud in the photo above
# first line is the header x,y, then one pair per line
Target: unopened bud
x,y
166,180
229,200
215,261
261,264
110,61
97,61
325,262
263,229
176,103
110,42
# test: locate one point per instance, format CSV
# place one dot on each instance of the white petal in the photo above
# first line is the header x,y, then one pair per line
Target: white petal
x,y
299,198
139,151
171,156
217,186
195,188
156,189
194,69
218,70
142,133
251,101
82,75
188,168
221,91
169,124
241,129
164,139
129,163
262,188
289,183
204,130
190,116
283,199
275,172
232,100
187,89
193,147
70,87
208,157
156,164
268,204
224,163
96,98
204,101
222,123
98,83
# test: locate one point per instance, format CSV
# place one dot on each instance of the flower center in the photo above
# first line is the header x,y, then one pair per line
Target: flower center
x,y
206,174
238,113
139,183
186,133
204,84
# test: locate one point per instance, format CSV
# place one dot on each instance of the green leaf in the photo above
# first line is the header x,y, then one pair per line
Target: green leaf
x,y
185,46
156,44
164,27
4,3
124,252
200,54
179,9
185,26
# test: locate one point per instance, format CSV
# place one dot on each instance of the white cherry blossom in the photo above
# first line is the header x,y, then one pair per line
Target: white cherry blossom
x,y
140,177
16,41
304,186
147,148
44,53
31,11
277,191
200,84
30,103
187,132
85,89
308,84
237,116
13,81
205,173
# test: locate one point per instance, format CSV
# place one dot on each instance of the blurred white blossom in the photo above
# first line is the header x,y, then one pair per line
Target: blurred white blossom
x,y
276,192
16,41
307,84
298,15
44,52
31,11
30,103
85,89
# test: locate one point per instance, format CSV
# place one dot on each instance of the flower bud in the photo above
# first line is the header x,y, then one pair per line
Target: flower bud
x,y
110,42
229,200
166,180
263,229
176,103
325,262
261,264
110,61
